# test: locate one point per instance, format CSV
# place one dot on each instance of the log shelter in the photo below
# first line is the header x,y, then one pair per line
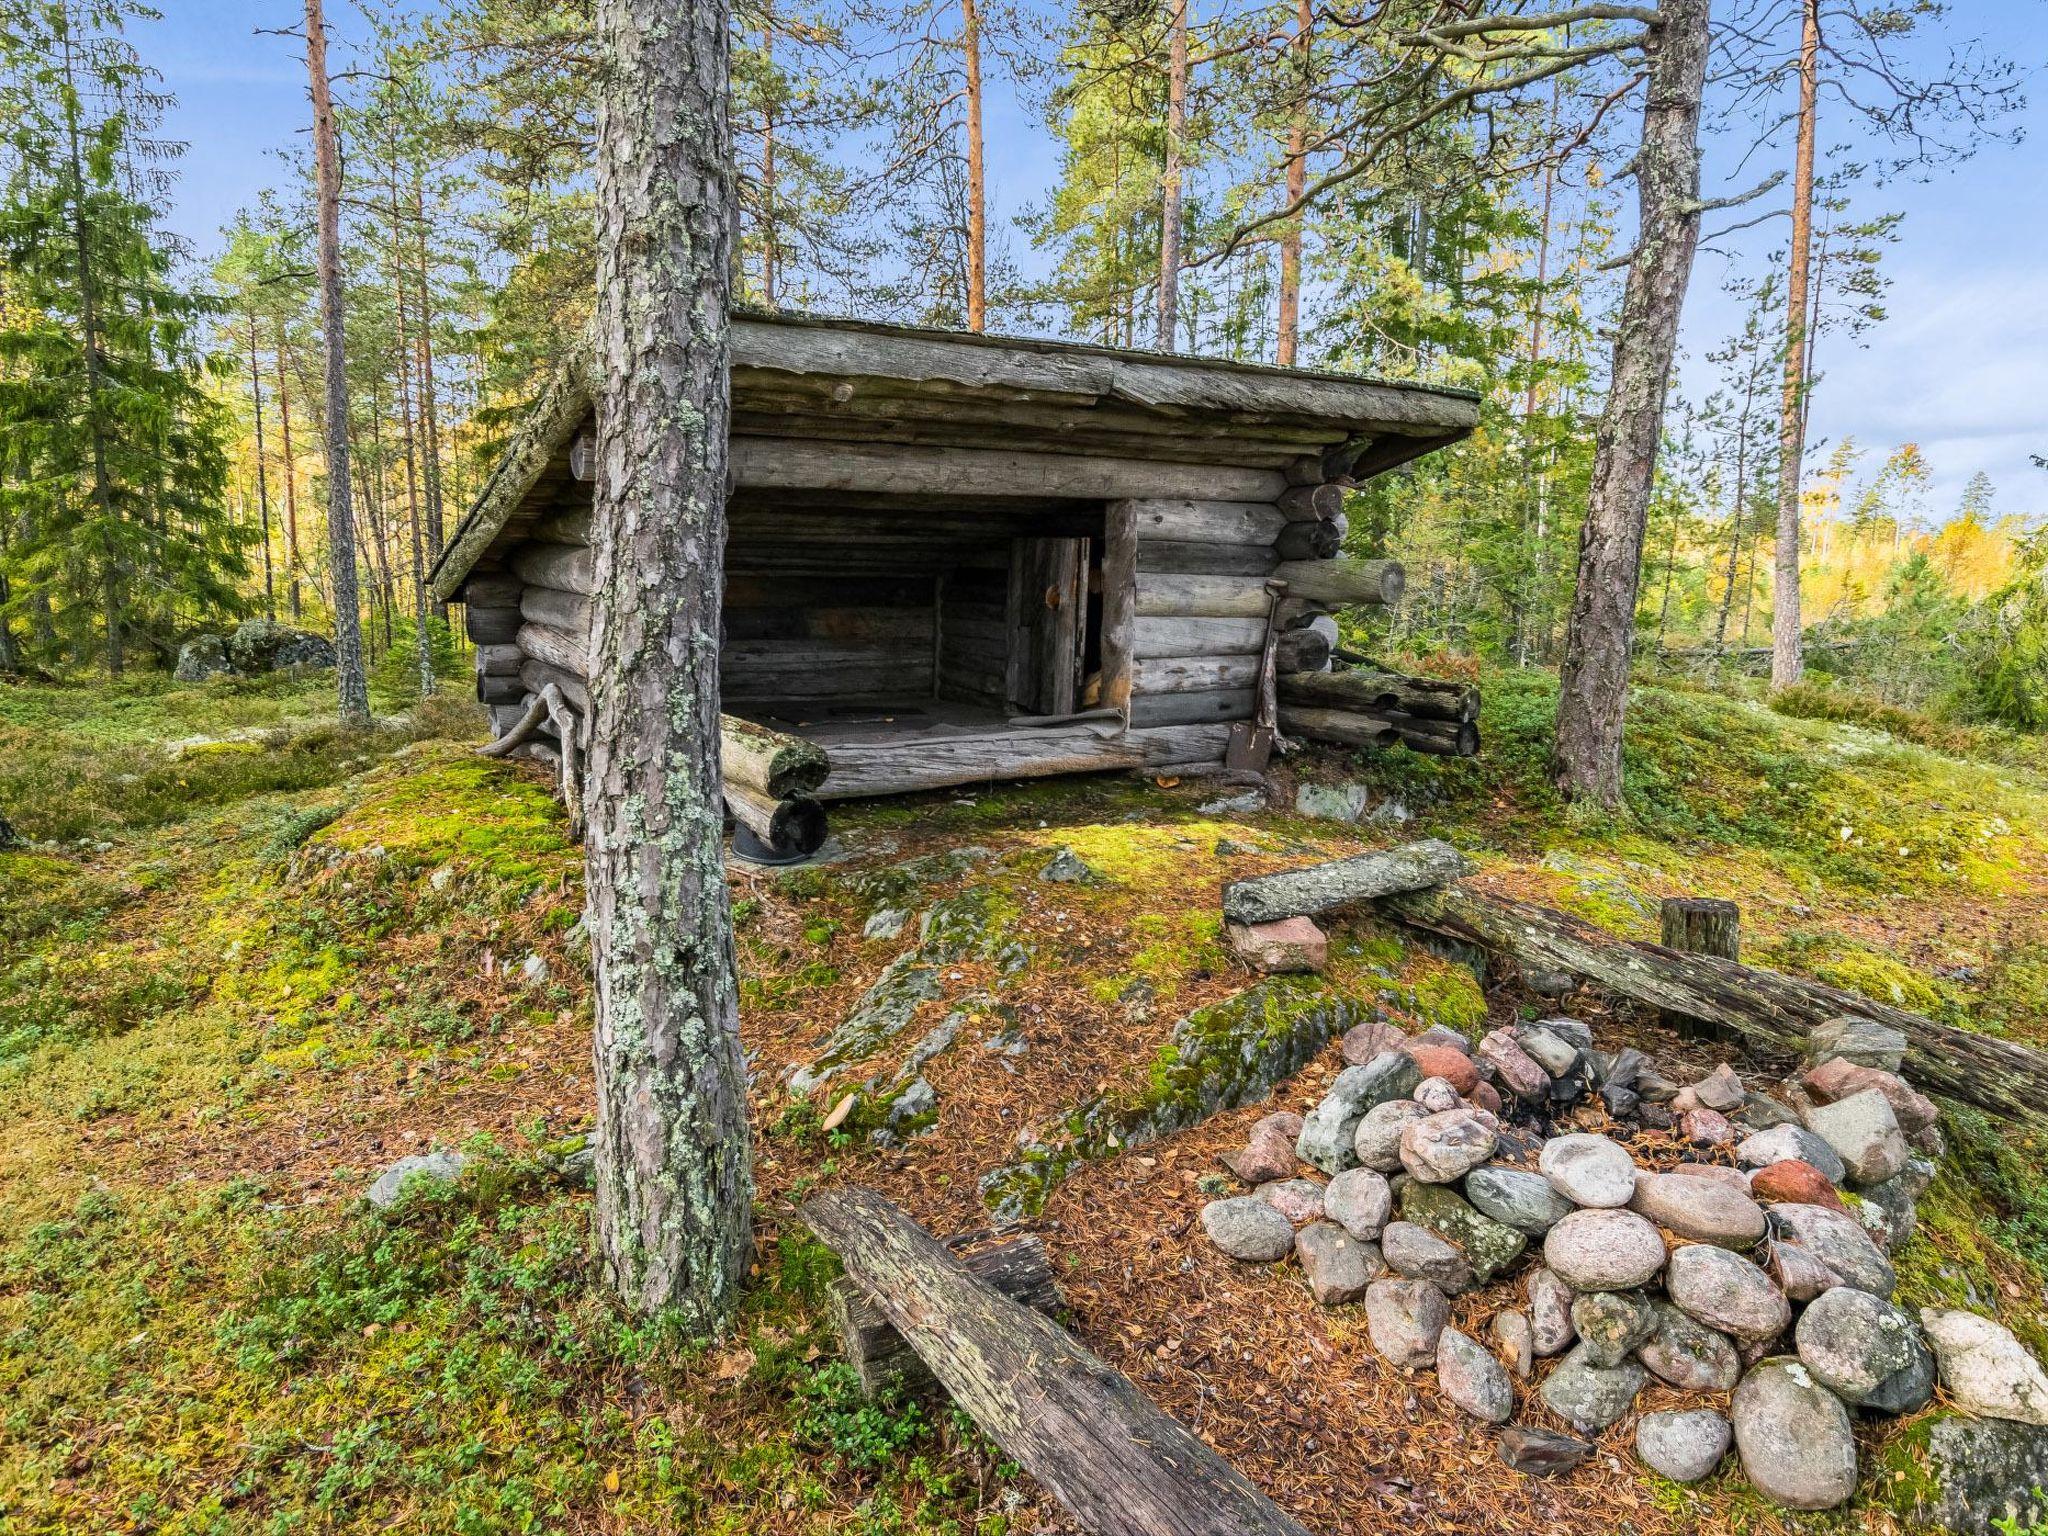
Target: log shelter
x,y
956,558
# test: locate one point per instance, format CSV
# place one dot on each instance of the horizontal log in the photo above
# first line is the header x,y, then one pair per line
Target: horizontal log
x,y
1170,746
1319,539
1317,888
496,690
566,611
571,527
794,827
886,1364
543,642
1193,674
1425,697
1197,637
1173,556
490,589
565,567
1202,597
499,660
1314,503
538,674
916,760
1301,650
1083,1431
1161,709
490,626
1769,1008
1208,522
769,762
1368,728
763,463
1344,581
1297,611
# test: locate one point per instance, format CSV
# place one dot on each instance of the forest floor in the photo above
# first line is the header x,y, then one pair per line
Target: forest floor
x,y
241,973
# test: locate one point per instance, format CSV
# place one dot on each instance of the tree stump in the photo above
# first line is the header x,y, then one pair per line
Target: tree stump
x,y
1702,925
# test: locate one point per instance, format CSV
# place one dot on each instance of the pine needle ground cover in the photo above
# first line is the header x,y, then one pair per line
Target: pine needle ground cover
x,y
226,1003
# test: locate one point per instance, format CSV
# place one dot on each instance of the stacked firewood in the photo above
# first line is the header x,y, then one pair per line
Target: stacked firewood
x,y
1360,706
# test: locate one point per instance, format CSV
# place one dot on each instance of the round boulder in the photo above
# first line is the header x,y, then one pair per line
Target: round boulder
x,y
1589,1170
1604,1250
1865,1350
1610,1324
1839,1242
1404,1319
1794,1182
1790,1143
1359,1200
1472,1378
1725,1291
1436,1095
1550,1312
1705,1210
1298,1200
1688,1355
1590,1397
1985,1368
1420,1254
1794,1437
1246,1227
1517,1198
1443,1148
1377,1142
1684,1447
1446,1062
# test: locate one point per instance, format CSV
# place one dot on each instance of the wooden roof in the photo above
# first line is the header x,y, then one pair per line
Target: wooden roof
x,y
823,381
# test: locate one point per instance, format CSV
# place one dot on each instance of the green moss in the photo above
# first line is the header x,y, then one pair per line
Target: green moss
x,y
1446,994
1883,978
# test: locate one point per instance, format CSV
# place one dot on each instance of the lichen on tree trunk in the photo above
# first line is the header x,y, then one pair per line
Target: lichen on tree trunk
x,y
674,1179
1593,694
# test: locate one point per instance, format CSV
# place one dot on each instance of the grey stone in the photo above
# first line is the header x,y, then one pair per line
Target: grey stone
x,y
1550,1312
1298,1200
1249,803
1332,802
1339,1267
1330,1128
1359,1201
1590,1397
1622,1103
1541,1452
1489,1246
428,1168
1517,1198
1896,1201
1725,1291
1404,1319
264,645
1685,1446
1863,1041
1791,1144
1604,1250
1865,1350
885,923
1246,1227
1443,1034
1761,1112
1574,1032
1688,1355
1555,1056
1443,1148
1986,1370
1703,1209
1837,1241
1067,867
201,657
1517,1341
1436,1095
1721,1089
1589,1170
1983,1476
1794,1437
1471,1377
1610,1324
1418,1253
1865,1132
1377,1143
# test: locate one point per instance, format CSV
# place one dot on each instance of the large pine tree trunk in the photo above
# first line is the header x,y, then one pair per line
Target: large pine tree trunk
x,y
674,1181
1288,347
977,183
1170,174
1593,692
1786,661
351,684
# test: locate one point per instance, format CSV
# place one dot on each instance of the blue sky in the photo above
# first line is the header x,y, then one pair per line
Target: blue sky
x,y
1960,366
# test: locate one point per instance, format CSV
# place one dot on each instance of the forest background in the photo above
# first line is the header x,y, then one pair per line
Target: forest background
x,y
1482,252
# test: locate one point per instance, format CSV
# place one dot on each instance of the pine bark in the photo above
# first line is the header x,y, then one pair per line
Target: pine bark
x,y
1288,347
977,184
1593,692
1170,173
262,474
351,684
1787,662
674,1179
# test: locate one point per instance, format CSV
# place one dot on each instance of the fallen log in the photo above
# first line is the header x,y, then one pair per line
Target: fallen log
x,y
882,1358
1092,1440
1366,728
1316,539
769,762
795,827
1768,1008
1302,650
1322,888
1427,698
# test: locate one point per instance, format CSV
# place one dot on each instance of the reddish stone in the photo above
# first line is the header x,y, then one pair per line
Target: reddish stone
x,y
1446,1062
1840,1077
1269,1153
1362,1043
1292,944
1485,1096
1516,1069
1793,1183
1707,1128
